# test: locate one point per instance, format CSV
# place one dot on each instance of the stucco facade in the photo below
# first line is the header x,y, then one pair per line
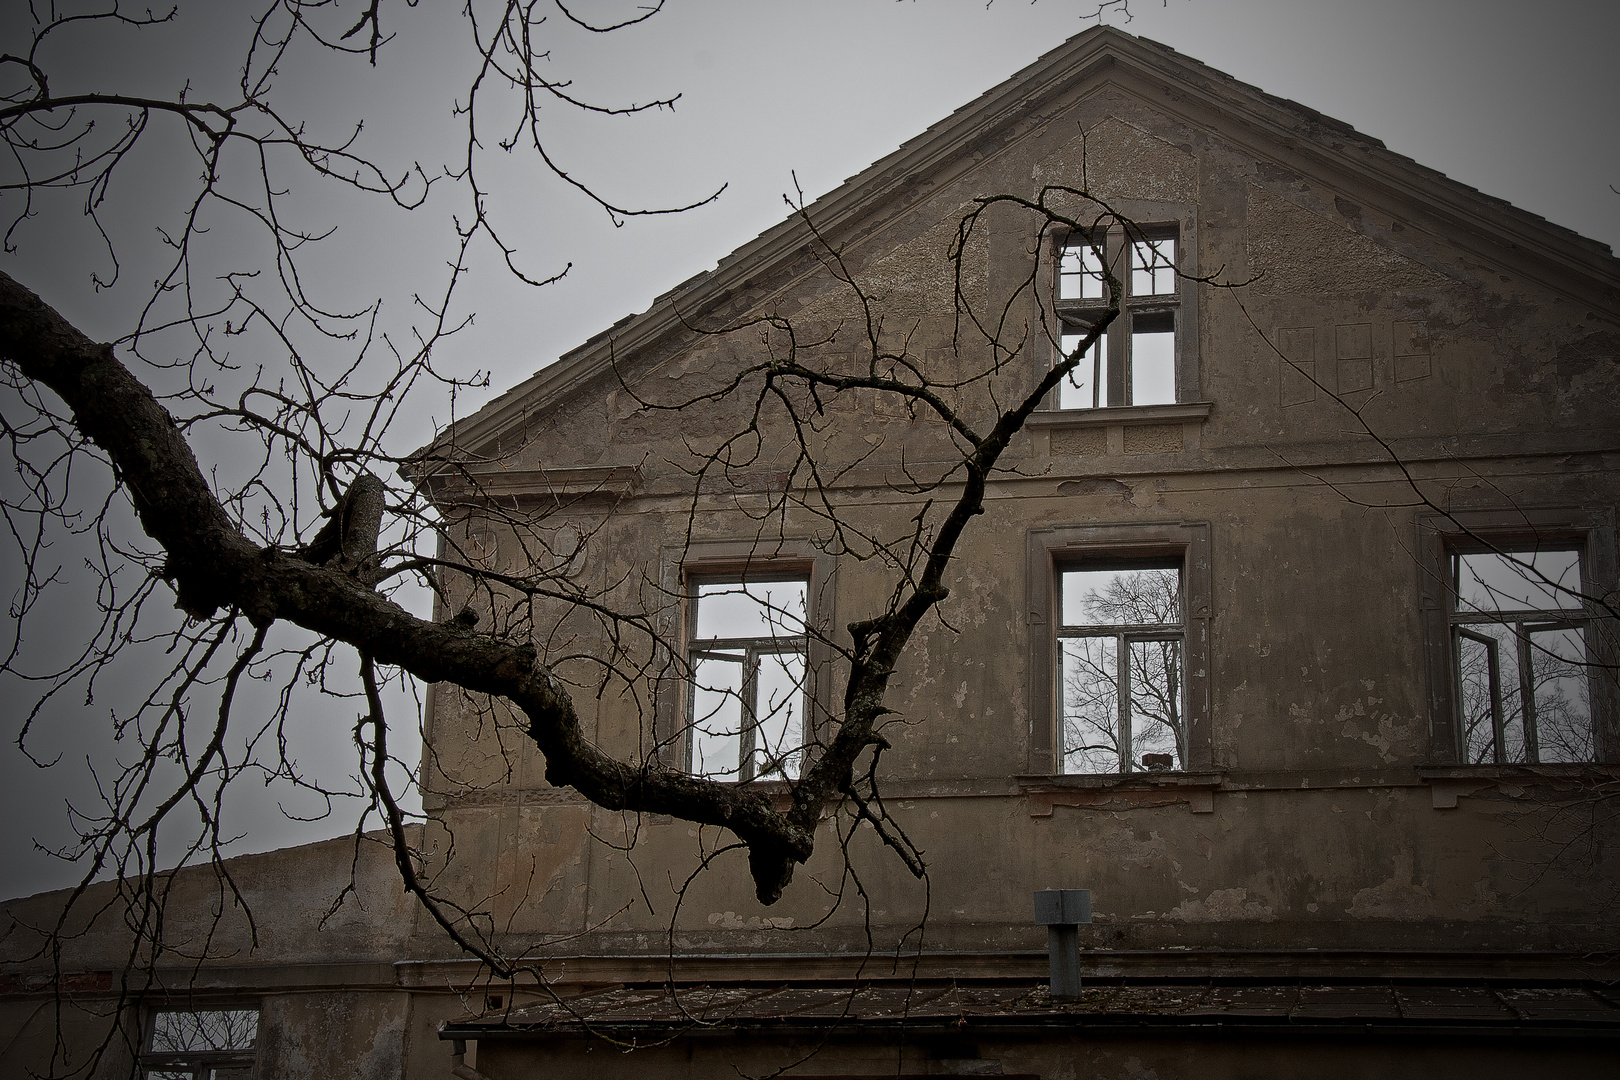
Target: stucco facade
x,y
1404,373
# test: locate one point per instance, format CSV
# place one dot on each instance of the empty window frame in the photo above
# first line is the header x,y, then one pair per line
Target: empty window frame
x,y
1135,362
1519,650
747,654
1527,591
1121,645
200,1044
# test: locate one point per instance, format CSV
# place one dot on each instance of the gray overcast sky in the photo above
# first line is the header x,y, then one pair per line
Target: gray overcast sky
x,y
1517,100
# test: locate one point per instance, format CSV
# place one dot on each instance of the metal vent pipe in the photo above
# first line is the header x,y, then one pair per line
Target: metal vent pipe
x,y
1062,911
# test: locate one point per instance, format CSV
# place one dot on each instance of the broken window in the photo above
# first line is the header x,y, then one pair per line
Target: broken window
x,y
1519,632
748,659
1120,640
207,1044
1134,363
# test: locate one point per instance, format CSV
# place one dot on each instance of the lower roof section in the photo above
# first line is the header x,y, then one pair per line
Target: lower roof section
x,y
1014,1007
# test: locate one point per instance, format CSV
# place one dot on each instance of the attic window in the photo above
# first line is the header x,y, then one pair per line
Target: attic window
x,y
1135,362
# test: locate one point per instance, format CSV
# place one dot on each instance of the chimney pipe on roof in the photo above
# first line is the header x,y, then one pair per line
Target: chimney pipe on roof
x,y
1062,911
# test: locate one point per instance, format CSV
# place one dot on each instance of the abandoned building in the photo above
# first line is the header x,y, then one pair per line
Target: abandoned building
x,y
1287,631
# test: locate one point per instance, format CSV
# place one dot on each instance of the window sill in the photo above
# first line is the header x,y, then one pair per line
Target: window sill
x,y
1121,790
1118,430
1447,782
1181,411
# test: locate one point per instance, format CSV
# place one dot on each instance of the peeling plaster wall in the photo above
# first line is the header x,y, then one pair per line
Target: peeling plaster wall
x,y
1322,834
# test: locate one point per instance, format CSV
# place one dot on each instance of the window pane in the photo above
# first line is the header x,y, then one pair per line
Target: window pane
x,y
1153,267
717,711
1080,275
1153,366
1121,597
1156,717
1090,701
1479,682
780,735
1518,580
1474,679
1086,387
220,1029
1562,696
753,610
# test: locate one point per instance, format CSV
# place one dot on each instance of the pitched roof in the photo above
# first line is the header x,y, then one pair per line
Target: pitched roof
x,y
1484,225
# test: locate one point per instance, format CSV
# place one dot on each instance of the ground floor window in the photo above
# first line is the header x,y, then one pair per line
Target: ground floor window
x,y
201,1044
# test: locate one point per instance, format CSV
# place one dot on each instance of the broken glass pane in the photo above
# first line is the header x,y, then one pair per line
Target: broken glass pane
x,y
1479,681
1563,705
717,713
1156,720
1153,360
219,1029
1150,597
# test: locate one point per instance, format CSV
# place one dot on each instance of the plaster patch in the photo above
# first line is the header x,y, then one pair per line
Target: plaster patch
x,y
1300,251
917,278
1135,1070
1123,847
1222,905
1387,739
1397,898
730,920
1121,161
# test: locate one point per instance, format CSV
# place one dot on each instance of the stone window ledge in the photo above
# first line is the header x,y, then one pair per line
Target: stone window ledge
x,y
1121,790
1447,782
1118,429
1180,412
